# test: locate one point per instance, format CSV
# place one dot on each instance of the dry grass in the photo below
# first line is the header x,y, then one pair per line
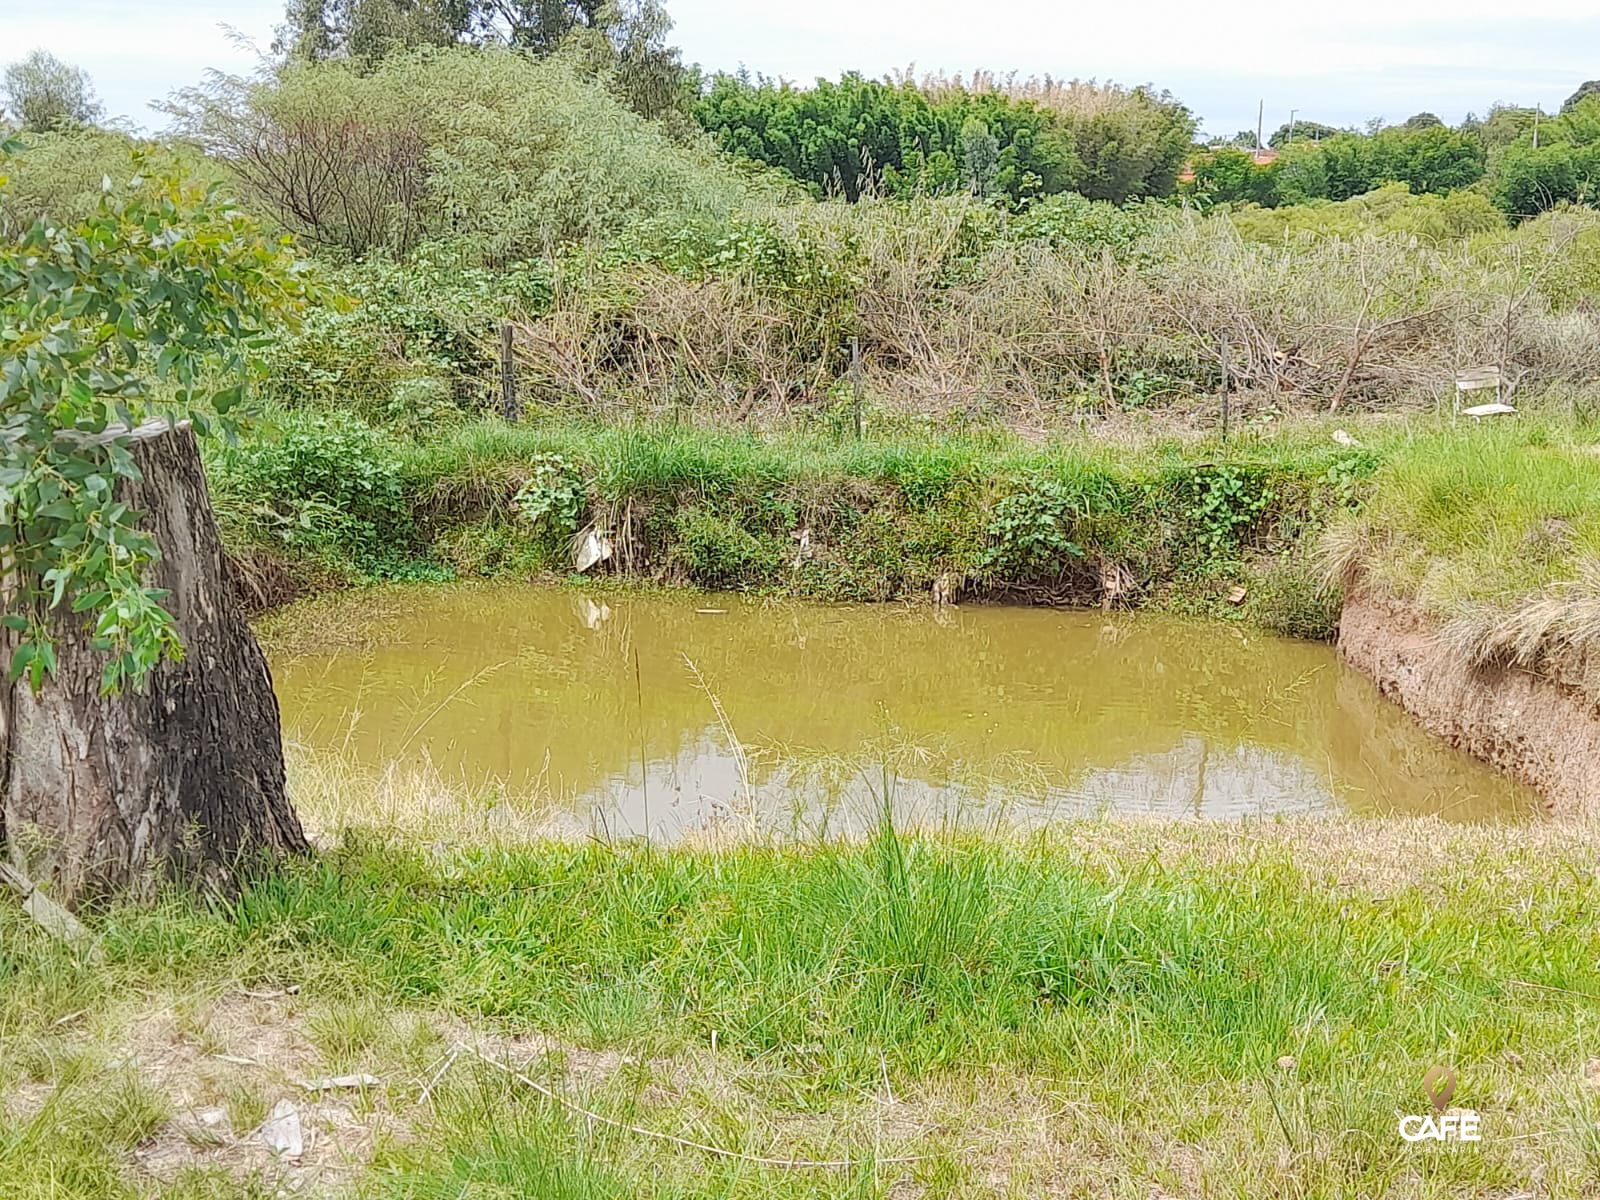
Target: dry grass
x,y
1494,533
1561,617
336,795
959,317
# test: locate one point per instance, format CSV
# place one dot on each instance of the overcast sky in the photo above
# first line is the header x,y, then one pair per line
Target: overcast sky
x,y
1340,63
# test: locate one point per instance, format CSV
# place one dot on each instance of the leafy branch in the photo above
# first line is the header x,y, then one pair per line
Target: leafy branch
x,y
157,307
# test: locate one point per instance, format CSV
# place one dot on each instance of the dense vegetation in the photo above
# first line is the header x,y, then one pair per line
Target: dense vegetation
x,y
860,136
444,191
1523,164
883,518
863,340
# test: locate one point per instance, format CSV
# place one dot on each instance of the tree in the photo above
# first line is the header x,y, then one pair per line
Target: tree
x,y
45,95
1231,176
631,53
500,154
1133,144
980,156
1302,173
857,134
1299,131
1421,120
1506,124
1529,180
1588,88
621,41
112,331
1431,158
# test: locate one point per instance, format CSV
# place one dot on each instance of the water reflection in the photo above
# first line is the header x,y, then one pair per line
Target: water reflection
x,y
659,713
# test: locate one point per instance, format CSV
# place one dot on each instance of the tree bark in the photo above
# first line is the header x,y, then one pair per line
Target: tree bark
x,y
180,780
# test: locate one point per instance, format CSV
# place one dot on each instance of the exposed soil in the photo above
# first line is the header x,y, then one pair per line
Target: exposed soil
x,y
1540,725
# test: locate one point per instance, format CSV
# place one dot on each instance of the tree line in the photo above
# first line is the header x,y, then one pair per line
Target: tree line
x,y
1011,140
860,135
1522,159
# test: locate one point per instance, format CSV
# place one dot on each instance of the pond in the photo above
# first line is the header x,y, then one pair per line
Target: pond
x,y
639,713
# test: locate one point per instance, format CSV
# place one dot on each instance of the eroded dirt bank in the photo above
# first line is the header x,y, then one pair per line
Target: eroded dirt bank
x,y
1543,726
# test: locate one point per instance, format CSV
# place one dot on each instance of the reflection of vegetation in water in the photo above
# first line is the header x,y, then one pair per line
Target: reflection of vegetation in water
x,y
683,705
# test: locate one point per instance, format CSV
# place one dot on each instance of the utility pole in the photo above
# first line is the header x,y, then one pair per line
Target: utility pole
x,y
1292,113
1261,115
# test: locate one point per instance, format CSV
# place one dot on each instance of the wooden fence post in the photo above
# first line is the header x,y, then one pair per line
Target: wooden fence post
x,y
855,382
510,409
1226,384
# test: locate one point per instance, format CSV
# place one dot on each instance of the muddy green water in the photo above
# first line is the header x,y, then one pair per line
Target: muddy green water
x,y
601,706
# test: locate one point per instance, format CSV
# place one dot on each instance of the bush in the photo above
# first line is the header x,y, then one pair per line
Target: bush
x,y
552,500
61,175
404,344
860,136
717,552
501,155
1434,219
328,487
1032,535
1223,504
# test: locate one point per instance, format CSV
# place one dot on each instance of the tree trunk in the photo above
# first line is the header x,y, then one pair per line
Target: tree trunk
x,y
181,780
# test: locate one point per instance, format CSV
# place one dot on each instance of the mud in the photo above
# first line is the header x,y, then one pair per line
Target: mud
x,y
1540,725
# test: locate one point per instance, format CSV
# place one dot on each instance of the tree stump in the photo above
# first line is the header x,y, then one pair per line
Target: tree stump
x,y
180,780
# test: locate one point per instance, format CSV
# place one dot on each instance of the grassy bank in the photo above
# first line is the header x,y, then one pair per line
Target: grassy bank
x,y
1497,535
1473,522
1109,1011
1138,520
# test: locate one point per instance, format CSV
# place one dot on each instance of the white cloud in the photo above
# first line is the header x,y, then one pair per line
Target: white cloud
x,y
139,50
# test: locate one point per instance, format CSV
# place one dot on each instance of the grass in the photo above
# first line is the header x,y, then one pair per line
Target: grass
x,y
1112,1009
1182,520
1494,529
1496,532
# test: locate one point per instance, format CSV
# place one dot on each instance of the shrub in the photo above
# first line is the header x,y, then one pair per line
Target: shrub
x,y
1031,535
1223,503
718,552
329,487
861,136
553,498
61,176
503,155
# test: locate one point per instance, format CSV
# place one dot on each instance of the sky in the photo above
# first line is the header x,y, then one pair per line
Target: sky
x,y
1337,63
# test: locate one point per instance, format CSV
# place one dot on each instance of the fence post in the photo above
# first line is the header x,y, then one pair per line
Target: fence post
x,y
1226,384
855,382
509,408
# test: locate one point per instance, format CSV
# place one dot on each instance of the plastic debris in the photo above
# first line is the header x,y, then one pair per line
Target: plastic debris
x,y
281,1132
591,614
594,547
